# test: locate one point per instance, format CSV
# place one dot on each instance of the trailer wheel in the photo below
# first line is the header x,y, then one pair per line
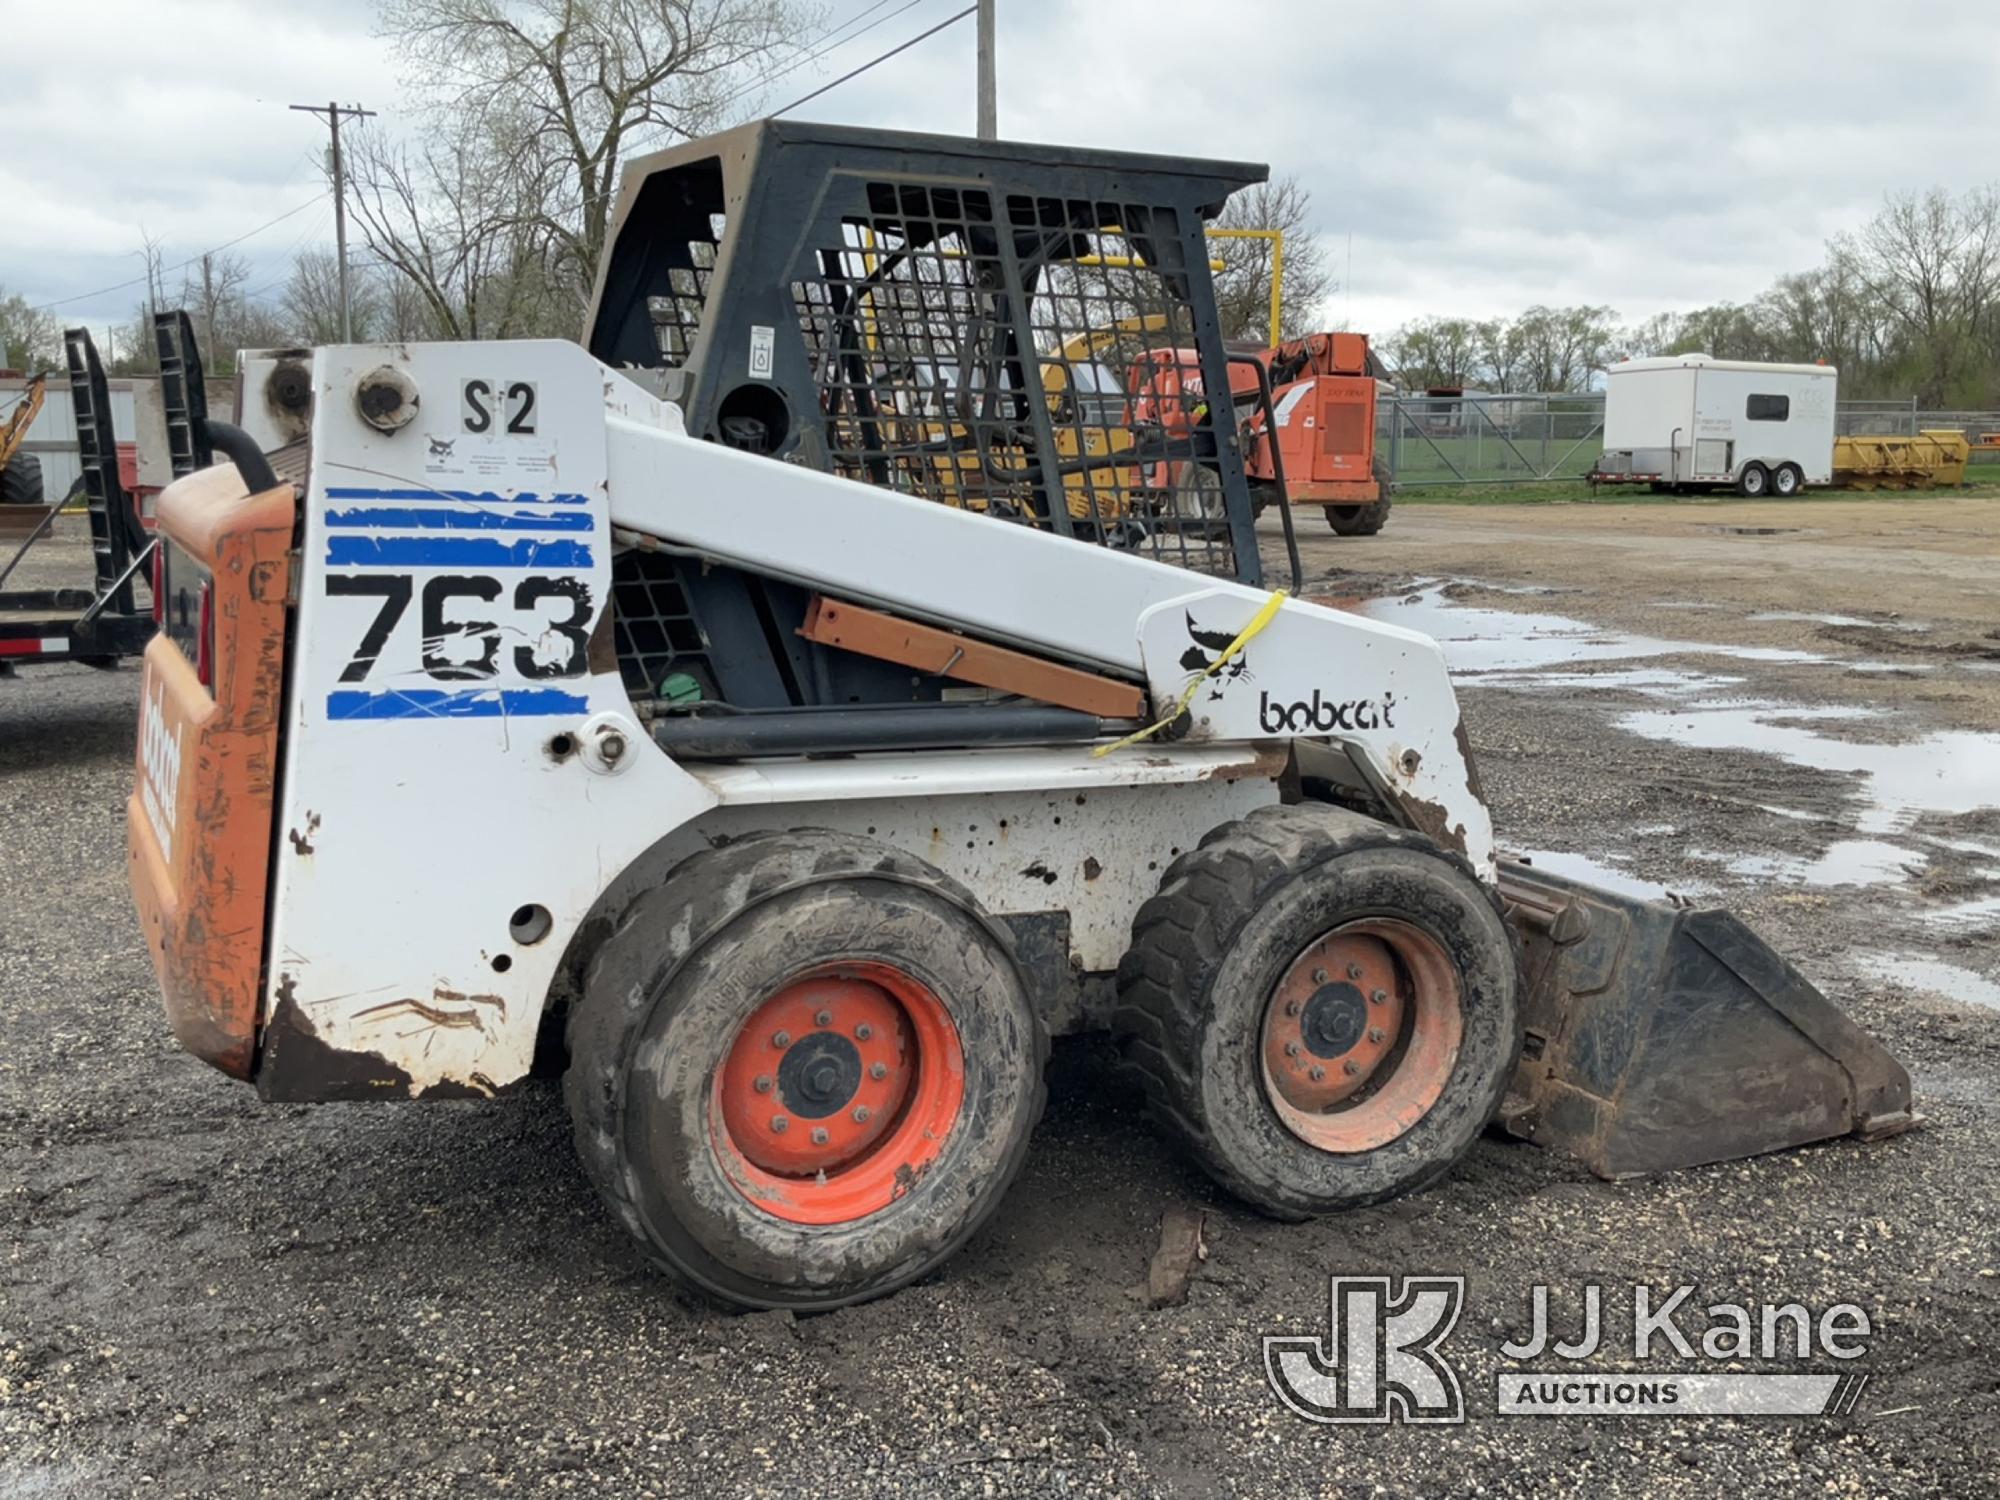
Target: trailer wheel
x,y
1787,480
1322,1008
1753,482
804,1069
21,480
1358,520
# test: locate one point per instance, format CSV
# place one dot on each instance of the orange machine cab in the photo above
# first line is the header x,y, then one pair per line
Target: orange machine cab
x,y
1324,398
199,819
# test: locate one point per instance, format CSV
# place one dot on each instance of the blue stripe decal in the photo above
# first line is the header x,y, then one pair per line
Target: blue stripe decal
x,y
452,552
474,497
408,518
466,703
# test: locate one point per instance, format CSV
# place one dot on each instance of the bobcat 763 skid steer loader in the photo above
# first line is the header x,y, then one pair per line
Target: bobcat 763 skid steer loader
x,y
524,716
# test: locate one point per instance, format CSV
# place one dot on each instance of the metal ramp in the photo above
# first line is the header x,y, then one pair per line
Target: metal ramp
x,y
183,393
114,527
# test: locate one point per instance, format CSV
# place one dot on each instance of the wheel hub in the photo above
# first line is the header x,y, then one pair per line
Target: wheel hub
x,y
816,1076
1334,1016
819,1075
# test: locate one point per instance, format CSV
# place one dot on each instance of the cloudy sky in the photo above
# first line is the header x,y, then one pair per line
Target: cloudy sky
x,y
1482,157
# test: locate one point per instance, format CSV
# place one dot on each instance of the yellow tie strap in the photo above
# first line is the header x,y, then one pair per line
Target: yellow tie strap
x,y
1244,636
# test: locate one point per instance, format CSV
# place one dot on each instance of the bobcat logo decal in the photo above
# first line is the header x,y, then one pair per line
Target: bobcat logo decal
x,y
1206,646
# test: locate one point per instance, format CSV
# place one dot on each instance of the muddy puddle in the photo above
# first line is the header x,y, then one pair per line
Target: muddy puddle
x,y
1603,872
1915,972
1897,784
1946,772
1526,645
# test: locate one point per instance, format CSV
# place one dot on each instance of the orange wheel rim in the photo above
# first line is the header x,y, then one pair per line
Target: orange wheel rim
x,y
837,1093
1361,1034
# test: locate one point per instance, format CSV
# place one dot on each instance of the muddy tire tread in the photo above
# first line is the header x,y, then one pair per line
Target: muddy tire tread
x,y
657,934
1180,936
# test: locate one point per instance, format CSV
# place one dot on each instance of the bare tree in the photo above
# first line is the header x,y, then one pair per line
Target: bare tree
x,y
447,220
1500,354
29,336
1436,353
565,91
1562,346
1934,261
1243,285
212,292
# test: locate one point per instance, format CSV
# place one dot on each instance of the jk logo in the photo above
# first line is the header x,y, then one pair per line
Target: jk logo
x,y
1379,1360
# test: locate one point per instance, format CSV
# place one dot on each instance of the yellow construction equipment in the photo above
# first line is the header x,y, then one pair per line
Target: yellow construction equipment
x,y
21,473
1934,459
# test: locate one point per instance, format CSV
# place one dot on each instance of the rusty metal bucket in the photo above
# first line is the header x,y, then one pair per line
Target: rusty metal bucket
x,y
1661,1036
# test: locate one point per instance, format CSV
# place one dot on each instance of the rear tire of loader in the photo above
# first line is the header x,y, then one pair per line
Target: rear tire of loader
x,y
909,1072
1308,937
21,480
1358,520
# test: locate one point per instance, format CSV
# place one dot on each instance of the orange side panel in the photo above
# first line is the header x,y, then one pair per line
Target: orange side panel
x,y
1349,354
927,649
199,820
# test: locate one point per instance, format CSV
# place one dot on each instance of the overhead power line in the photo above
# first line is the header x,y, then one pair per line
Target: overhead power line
x,y
821,46
875,62
191,260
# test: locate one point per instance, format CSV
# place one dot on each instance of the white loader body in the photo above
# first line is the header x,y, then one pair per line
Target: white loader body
x,y
460,754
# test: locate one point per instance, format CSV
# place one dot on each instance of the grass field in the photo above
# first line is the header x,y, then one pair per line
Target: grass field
x,y
1576,492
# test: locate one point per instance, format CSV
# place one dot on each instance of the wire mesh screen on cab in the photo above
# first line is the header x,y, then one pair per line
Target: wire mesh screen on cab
x,y
1034,358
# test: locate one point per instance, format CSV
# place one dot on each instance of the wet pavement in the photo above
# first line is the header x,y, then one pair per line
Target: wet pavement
x,y
1898,778
201,1295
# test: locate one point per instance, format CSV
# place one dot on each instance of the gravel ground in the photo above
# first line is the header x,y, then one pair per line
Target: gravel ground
x,y
205,1296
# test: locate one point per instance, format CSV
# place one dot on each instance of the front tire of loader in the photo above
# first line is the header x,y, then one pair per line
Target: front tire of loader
x,y
1358,520
1324,1009
841,987
21,480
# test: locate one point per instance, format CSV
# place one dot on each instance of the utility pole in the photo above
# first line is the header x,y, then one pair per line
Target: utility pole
x,y
333,113
989,109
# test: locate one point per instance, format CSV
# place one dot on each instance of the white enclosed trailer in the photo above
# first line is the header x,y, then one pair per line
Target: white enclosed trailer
x,y
1687,419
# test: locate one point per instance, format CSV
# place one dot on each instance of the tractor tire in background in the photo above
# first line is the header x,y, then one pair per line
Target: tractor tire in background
x,y
21,481
804,1069
1324,1009
1358,520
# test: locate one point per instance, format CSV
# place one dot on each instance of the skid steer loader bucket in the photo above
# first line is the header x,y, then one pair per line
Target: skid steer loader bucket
x,y
1660,1036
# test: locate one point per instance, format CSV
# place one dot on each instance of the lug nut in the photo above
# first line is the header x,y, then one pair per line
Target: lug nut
x,y
1354,971
1350,1067
779,1124
763,1083
863,1032
1317,1073
819,1137
1291,1007
861,1114
1319,976
1291,1049
781,1039
878,1071
824,1018
1376,1034
1380,997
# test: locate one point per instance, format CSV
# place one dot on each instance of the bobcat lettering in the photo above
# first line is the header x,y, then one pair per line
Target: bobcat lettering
x,y
1324,715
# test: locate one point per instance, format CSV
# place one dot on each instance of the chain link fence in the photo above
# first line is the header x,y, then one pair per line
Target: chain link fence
x,y
1525,439
1480,439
